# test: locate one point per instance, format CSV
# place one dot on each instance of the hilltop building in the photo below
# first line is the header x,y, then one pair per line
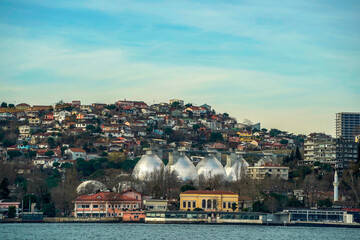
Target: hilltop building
x,y
347,125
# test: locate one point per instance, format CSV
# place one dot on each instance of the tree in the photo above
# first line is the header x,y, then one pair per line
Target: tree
x,y
29,199
56,164
49,153
196,126
11,105
49,209
298,154
51,142
187,187
325,203
4,190
284,141
168,131
214,137
259,206
264,130
233,206
11,212
32,154
14,154
3,104
66,165
90,127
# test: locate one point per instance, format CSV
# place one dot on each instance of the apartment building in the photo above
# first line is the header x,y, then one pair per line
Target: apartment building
x,y
347,125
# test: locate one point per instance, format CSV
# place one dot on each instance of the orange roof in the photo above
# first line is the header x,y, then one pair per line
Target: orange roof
x,y
77,150
208,192
105,196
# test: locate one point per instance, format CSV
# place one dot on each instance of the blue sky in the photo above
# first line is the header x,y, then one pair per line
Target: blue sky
x,y
287,64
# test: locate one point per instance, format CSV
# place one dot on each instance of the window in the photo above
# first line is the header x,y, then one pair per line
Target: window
x,y
224,204
203,204
95,206
189,204
194,204
184,204
229,204
79,206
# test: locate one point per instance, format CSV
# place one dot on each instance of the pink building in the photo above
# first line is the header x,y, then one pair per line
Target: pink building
x,y
104,204
4,206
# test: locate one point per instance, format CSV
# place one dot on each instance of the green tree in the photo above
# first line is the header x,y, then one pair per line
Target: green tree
x,y
234,206
4,105
295,203
168,131
264,130
196,126
325,203
56,164
215,136
32,154
187,187
11,212
49,153
66,165
259,206
51,142
90,127
298,154
11,105
49,209
4,190
14,154
284,141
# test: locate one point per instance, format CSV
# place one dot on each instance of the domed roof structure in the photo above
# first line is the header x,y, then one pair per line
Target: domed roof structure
x,y
90,187
235,167
184,168
147,164
210,166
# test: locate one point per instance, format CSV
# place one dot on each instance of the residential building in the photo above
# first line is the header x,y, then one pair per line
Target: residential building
x,y
208,200
319,147
104,204
347,125
76,153
266,168
181,102
338,152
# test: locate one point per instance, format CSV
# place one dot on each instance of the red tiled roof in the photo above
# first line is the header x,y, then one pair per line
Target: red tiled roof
x,y
77,150
105,196
208,192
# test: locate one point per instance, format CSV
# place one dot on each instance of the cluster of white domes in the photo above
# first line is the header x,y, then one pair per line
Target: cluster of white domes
x,y
90,187
235,167
208,167
148,163
184,168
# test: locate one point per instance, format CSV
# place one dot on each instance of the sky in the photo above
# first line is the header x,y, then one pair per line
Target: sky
x,y
286,64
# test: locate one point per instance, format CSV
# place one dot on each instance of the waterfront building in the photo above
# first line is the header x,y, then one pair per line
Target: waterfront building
x,y
4,207
347,125
104,204
155,204
208,200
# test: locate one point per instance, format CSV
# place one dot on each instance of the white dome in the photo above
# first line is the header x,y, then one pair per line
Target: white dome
x,y
184,168
235,167
210,166
147,164
90,187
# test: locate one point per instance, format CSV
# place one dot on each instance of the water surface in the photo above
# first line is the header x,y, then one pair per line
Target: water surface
x,y
167,231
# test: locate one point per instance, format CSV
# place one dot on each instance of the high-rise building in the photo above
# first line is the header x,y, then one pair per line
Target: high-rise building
x,y
347,125
338,152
